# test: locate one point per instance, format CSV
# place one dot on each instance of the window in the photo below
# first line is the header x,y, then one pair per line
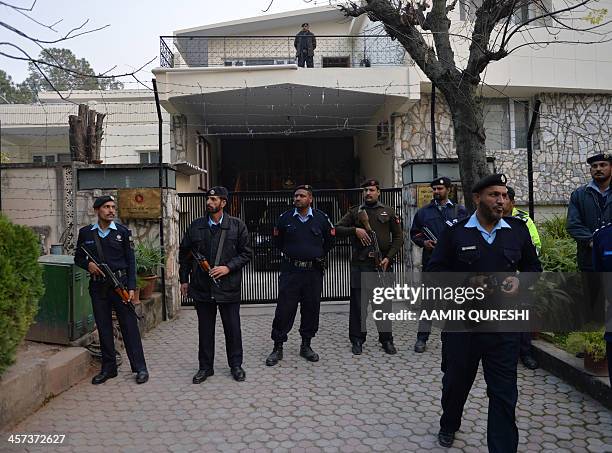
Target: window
x,y
382,131
467,9
258,61
46,159
204,158
338,62
506,123
149,157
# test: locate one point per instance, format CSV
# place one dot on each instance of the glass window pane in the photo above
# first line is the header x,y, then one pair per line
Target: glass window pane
x,y
144,158
153,157
50,159
37,159
521,122
497,124
63,157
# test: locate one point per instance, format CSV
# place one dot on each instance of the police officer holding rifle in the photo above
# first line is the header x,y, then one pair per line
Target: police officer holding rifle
x,y
106,250
212,253
376,234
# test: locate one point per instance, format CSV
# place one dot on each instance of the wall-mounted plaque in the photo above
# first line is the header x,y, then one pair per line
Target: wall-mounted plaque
x,y
139,204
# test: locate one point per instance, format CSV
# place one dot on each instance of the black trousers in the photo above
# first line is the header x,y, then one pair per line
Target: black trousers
x,y
499,352
303,287
358,311
104,300
525,348
303,58
207,319
609,354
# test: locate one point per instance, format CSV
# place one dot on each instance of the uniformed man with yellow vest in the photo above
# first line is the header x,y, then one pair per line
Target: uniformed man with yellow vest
x,y
510,210
386,225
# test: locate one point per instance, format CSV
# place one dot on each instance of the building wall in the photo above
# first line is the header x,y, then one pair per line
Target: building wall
x,y
130,127
571,127
33,196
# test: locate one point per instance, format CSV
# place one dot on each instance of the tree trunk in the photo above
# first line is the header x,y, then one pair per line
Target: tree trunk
x,y
91,135
468,125
76,138
99,133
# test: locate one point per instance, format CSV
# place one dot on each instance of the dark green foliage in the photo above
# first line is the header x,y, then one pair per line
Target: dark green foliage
x,y
558,248
21,286
60,75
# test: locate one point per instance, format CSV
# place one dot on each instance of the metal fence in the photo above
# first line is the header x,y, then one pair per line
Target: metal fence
x,y
260,211
331,51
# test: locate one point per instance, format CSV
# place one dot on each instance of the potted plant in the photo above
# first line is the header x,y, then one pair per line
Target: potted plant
x,y
148,261
594,347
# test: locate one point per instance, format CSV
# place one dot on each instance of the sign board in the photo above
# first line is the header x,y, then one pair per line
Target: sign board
x,y
425,194
139,204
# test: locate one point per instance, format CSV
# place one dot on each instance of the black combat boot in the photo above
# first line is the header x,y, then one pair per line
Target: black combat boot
x,y
275,355
307,352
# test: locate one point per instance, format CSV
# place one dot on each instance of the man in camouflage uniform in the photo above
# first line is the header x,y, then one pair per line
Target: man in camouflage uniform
x,y
388,229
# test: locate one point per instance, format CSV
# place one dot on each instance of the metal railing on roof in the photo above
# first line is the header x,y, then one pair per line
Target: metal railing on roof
x,y
348,51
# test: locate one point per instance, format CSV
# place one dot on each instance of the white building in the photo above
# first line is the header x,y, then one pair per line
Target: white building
x,y
39,133
243,109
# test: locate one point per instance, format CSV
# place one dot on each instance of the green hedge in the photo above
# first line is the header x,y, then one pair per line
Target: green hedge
x,y
21,286
558,252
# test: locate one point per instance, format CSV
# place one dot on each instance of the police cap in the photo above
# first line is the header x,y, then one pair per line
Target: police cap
x,y
370,182
602,157
307,187
217,191
511,193
103,199
498,179
442,181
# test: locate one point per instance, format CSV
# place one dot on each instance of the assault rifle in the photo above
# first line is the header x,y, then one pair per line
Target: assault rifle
x,y
362,216
204,265
112,278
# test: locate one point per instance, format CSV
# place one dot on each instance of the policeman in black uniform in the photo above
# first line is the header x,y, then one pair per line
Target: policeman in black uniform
x,y
212,254
388,229
111,243
484,243
602,262
437,216
305,236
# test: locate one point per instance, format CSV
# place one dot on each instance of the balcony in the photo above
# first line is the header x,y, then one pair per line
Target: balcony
x,y
349,51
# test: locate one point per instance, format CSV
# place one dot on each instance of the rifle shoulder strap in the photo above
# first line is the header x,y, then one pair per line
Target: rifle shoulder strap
x,y
99,247
220,247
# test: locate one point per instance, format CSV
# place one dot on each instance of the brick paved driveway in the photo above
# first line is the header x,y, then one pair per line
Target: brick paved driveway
x,y
373,402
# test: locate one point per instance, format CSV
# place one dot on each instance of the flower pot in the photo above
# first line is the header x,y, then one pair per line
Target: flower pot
x,y
147,291
596,368
136,299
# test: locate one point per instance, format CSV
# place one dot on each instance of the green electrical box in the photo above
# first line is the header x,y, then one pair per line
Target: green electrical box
x,y
64,313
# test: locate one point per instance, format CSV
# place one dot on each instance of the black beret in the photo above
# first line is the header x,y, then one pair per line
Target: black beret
x,y
511,192
370,182
602,157
305,24
217,191
103,199
441,181
498,179
307,187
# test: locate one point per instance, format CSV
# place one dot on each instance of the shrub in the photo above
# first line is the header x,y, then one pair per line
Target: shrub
x,y
591,343
21,286
148,258
558,252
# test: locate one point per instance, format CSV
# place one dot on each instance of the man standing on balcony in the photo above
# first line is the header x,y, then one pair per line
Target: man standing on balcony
x,y
305,43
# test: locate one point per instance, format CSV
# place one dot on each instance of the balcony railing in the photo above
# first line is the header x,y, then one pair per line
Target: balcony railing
x,y
331,51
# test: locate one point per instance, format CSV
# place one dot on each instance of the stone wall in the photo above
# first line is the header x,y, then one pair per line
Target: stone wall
x,y
145,230
571,127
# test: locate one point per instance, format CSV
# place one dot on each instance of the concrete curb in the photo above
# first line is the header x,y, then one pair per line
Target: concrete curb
x,y
29,385
571,370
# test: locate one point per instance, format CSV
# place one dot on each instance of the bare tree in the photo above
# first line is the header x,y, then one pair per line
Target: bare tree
x,y
492,29
49,63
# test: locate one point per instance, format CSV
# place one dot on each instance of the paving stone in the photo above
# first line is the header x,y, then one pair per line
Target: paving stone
x,y
373,402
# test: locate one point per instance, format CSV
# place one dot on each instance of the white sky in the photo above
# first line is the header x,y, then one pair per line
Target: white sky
x,y
135,26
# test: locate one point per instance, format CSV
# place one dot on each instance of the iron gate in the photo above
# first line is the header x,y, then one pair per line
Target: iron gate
x,y
260,211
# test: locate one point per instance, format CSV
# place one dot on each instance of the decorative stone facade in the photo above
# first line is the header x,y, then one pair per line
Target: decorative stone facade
x,y
145,230
571,127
